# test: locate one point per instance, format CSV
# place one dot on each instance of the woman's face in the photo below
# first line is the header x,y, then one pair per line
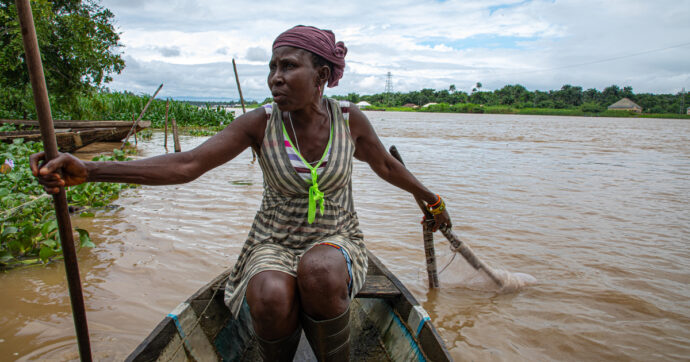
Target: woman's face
x,y
292,79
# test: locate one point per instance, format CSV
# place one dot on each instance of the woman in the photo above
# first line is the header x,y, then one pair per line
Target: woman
x,y
304,258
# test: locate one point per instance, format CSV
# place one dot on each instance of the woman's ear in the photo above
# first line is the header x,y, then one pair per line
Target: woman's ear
x,y
324,74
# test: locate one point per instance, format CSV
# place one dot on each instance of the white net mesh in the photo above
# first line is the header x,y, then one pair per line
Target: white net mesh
x,y
456,272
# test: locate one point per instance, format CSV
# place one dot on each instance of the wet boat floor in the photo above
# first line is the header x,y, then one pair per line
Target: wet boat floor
x,y
365,343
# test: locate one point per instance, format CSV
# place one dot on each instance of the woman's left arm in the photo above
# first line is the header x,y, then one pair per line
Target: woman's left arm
x,y
368,148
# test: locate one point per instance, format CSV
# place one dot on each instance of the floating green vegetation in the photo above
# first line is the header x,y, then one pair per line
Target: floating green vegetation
x,y
28,228
241,182
202,131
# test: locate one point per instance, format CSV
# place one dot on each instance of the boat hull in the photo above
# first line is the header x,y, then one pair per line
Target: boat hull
x,y
386,323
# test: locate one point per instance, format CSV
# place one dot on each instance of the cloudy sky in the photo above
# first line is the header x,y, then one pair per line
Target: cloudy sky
x,y
541,44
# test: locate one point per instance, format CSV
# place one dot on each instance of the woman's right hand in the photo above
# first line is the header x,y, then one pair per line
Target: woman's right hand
x,y
62,171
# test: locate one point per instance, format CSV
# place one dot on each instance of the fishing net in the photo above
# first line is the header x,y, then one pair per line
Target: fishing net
x,y
456,272
459,267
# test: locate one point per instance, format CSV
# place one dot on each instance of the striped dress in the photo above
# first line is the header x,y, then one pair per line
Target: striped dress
x,y
281,234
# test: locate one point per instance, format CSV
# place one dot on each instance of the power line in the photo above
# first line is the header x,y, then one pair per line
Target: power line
x,y
600,60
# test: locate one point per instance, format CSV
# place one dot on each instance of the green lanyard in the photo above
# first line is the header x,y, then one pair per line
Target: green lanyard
x,y
314,193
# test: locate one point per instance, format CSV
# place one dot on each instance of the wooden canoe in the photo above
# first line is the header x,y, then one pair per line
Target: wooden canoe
x,y
72,135
387,324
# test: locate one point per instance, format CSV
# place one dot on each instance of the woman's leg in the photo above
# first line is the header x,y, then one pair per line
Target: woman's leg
x,y
323,281
274,307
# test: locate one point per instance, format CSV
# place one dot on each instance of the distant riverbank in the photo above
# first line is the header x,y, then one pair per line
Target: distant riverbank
x,y
569,112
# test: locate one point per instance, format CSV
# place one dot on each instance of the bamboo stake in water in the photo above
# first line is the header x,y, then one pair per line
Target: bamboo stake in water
x,y
165,143
134,126
136,141
45,119
239,89
176,139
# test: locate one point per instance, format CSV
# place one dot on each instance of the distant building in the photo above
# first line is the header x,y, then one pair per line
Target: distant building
x,y
363,104
625,104
410,105
688,111
428,104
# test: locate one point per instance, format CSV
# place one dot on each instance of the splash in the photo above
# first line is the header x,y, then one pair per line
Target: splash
x,y
458,273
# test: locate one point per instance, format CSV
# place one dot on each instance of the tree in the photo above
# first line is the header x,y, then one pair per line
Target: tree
x,y
78,47
452,88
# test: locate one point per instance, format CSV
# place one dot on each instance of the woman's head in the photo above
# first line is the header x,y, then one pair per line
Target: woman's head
x,y
321,43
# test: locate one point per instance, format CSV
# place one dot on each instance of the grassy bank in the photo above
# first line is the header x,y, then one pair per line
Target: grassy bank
x,y
583,111
118,106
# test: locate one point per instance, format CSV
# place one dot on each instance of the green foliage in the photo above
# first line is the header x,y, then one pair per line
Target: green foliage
x,y
78,48
202,131
28,232
569,100
125,106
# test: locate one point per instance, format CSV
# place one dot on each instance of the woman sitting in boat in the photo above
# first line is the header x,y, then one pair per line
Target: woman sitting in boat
x,y
304,258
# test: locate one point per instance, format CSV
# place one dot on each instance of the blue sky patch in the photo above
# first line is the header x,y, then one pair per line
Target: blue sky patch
x,y
493,9
485,41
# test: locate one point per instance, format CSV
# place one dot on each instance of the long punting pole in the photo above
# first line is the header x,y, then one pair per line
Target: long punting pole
x,y
45,119
457,244
428,235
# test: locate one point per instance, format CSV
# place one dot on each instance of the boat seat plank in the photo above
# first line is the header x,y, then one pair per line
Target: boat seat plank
x,y
378,286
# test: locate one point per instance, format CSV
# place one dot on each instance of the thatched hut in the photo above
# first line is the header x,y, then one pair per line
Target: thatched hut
x,y
410,105
363,104
625,104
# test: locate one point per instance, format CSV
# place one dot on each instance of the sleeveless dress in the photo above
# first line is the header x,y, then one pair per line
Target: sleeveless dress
x,y
281,233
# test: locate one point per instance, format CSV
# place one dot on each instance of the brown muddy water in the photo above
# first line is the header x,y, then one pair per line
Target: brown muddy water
x,y
597,209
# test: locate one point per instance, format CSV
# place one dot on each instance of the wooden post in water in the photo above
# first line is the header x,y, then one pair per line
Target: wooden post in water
x,y
239,89
134,126
165,143
136,141
176,139
45,119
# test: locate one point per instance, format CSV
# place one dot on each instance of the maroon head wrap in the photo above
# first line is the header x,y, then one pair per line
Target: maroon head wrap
x,y
320,42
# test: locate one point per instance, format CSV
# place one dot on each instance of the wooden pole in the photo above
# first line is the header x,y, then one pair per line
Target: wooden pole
x,y
176,139
136,141
134,126
239,89
428,235
40,92
165,143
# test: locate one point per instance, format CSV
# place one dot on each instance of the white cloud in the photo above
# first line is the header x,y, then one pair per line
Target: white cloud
x,y
540,44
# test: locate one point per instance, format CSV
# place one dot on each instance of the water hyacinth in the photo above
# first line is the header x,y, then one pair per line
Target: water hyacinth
x,y
7,166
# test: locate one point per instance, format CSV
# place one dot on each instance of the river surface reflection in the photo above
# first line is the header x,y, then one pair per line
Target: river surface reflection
x,y
598,209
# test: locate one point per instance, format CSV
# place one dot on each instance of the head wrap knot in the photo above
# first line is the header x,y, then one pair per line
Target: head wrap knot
x,y
320,42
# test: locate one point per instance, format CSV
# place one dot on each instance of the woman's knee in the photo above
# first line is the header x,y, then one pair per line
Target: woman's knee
x,y
272,296
322,278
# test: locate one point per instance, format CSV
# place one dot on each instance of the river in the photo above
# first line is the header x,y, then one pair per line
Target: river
x,y
597,209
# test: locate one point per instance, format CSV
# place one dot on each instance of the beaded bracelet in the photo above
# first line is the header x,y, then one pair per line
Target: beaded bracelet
x,y
435,204
438,209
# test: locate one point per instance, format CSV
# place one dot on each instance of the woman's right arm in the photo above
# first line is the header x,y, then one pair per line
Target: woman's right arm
x,y
173,168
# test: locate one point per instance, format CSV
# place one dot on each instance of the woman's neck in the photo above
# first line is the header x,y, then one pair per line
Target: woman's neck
x,y
316,112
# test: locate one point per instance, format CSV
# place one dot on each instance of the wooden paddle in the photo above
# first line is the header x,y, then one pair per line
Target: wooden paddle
x,y
45,119
457,244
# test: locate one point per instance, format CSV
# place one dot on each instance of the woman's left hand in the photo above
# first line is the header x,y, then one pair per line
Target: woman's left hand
x,y
442,219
